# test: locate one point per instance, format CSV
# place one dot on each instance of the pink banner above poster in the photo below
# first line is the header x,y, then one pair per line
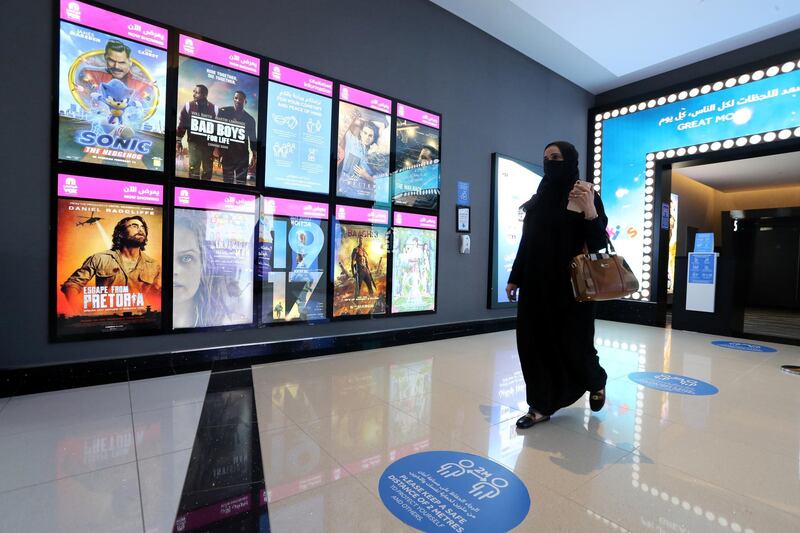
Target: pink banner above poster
x,y
293,208
410,220
218,201
111,190
349,213
111,22
189,46
301,80
365,99
418,115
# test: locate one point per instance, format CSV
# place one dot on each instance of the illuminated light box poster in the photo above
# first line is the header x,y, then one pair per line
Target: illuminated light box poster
x,y
716,117
414,263
218,93
358,265
108,256
298,130
362,155
212,279
292,260
673,241
111,86
416,176
514,182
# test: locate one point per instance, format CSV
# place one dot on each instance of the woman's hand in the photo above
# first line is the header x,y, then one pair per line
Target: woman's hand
x,y
582,194
511,292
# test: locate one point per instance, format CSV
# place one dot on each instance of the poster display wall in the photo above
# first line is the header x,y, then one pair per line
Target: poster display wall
x,y
108,257
414,263
358,265
298,130
218,93
112,77
292,259
212,258
417,173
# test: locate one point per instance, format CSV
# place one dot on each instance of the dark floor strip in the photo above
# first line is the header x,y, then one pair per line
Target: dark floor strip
x,y
224,489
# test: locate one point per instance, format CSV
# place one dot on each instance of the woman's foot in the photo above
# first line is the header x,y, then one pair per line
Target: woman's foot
x,y
597,399
530,419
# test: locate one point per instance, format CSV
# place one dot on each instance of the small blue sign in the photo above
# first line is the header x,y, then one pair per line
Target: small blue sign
x,y
445,491
673,383
462,195
701,268
704,242
744,346
664,215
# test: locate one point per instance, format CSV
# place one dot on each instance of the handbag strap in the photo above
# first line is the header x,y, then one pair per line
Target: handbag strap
x,y
609,247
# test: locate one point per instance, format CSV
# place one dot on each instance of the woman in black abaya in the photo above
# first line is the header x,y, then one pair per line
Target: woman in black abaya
x,y
555,334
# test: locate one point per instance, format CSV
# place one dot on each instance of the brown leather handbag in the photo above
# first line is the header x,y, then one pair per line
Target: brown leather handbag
x,y
601,276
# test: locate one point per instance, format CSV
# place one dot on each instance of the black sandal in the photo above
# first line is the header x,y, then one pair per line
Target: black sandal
x,y
597,400
528,420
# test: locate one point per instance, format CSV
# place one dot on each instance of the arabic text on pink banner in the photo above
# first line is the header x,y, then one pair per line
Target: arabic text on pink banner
x,y
410,220
365,99
111,22
219,201
362,214
293,208
111,190
418,115
189,46
301,80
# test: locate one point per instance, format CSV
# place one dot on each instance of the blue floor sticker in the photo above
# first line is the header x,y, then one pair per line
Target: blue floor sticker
x,y
673,383
744,346
454,492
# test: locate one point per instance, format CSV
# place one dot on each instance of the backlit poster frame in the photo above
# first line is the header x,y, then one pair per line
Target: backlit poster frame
x,y
217,114
506,222
414,264
82,204
416,175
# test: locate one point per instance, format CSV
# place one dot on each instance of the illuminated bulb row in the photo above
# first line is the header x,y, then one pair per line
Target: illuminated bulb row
x,y
774,70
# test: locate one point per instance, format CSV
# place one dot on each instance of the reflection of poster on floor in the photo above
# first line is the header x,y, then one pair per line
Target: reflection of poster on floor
x,y
298,130
359,261
213,259
416,173
414,263
292,246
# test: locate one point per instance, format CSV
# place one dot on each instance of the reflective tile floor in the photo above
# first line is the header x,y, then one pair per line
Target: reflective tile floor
x,y
300,446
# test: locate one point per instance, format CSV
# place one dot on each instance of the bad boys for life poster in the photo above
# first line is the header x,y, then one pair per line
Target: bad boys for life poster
x,y
111,86
292,260
213,259
416,173
217,113
108,257
413,270
359,269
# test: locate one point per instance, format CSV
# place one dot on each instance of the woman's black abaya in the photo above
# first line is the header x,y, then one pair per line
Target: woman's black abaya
x,y
555,334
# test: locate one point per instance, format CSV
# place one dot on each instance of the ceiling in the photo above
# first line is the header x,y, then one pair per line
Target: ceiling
x,y
753,173
603,44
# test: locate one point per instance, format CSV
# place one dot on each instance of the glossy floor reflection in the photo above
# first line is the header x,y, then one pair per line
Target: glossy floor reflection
x,y
135,456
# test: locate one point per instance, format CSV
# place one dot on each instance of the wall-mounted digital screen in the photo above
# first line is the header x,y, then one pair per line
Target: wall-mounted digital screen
x,y
416,173
108,256
298,130
111,85
217,120
513,183
212,280
358,265
673,241
292,259
363,145
413,263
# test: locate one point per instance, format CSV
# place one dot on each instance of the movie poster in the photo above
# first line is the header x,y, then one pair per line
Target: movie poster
x,y
217,121
111,86
413,263
108,257
359,261
416,174
673,241
298,131
212,278
363,142
292,259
